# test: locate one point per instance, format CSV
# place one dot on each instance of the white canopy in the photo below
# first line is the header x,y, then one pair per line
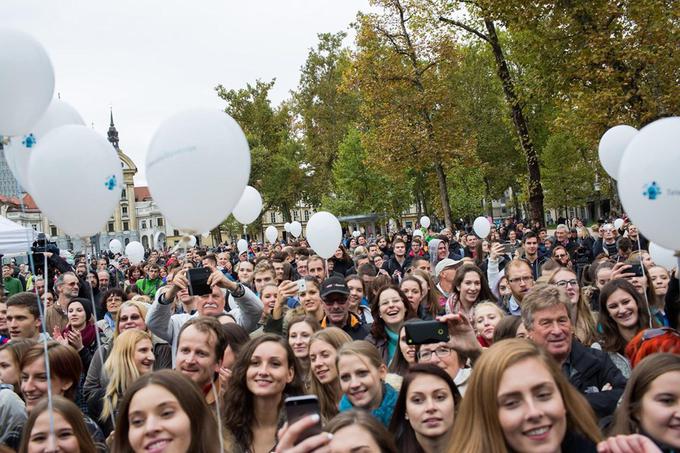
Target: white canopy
x,y
15,238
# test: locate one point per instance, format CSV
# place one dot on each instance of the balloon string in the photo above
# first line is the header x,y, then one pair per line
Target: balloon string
x,y
96,328
217,413
644,274
41,312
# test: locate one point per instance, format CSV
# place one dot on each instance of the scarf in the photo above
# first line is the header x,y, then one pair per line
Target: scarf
x,y
384,412
89,333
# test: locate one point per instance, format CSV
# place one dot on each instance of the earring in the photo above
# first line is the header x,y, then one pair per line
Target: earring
x,y
406,416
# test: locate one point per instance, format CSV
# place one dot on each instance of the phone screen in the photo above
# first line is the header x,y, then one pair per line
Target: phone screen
x,y
198,281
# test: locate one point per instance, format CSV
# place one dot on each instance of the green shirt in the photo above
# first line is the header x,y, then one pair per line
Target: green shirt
x,y
13,286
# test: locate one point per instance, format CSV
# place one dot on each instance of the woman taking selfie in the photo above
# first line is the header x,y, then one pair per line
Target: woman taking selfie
x,y
519,400
264,374
362,379
165,410
425,410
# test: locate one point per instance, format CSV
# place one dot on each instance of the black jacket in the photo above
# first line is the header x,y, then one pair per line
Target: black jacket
x,y
392,265
589,370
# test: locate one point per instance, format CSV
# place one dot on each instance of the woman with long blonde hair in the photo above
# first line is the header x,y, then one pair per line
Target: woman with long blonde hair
x,y
518,399
131,357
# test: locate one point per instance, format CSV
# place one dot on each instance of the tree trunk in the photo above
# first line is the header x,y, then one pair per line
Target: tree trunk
x,y
444,194
535,189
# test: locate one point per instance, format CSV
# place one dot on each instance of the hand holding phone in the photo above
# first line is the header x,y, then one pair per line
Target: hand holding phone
x,y
298,407
198,281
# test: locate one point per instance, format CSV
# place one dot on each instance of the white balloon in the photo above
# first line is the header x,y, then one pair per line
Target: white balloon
x,y
115,246
481,227
26,82
295,229
648,183
198,142
425,221
356,233
618,223
76,179
134,252
612,146
324,234
286,227
271,233
242,246
18,152
663,257
248,207
192,241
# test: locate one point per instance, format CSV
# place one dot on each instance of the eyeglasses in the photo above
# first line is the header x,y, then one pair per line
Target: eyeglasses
x,y
521,279
441,351
565,283
560,256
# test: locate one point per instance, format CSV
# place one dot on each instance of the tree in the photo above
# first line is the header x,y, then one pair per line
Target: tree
x,y
360,188
324,110
480,25
408,116
276,155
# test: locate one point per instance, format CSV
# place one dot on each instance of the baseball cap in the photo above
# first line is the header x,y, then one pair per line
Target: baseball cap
x,y
443,264
334,285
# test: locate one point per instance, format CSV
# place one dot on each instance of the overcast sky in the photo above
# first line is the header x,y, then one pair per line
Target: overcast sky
x,y
151,58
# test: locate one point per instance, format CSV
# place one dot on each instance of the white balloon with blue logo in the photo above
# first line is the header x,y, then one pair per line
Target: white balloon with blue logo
x,y
649,182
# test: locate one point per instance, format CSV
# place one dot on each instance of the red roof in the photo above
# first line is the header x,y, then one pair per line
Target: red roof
x,y
142,193
29,204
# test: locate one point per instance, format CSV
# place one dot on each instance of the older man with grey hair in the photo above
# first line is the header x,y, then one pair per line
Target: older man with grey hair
x,y
547,317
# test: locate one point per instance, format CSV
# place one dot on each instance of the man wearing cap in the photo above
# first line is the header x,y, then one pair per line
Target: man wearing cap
x,y
335,294
445,272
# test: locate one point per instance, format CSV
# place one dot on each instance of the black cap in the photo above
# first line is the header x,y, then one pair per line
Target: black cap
x,y
334,285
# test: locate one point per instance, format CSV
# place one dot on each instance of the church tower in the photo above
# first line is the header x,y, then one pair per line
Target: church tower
x,y
123,225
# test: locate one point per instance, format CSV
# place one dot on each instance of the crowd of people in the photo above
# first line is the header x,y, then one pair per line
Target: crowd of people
x,y
556,343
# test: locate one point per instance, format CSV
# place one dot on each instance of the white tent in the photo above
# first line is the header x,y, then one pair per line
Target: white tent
x,y
15,238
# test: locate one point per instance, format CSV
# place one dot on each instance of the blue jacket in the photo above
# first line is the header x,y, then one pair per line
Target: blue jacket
x,y
382,413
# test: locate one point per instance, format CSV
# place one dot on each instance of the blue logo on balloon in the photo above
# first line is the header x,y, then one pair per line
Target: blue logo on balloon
x,y
28,141
652,191
111,182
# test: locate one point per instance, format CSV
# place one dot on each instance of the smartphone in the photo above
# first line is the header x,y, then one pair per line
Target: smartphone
x,y
426,332
636,269
508,248
198,281
302,285
298,407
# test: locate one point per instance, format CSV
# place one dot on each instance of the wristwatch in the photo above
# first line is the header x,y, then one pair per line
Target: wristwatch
x,y
240,291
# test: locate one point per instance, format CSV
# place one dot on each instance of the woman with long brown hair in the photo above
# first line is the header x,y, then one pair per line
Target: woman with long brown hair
x,y
584,322
518,399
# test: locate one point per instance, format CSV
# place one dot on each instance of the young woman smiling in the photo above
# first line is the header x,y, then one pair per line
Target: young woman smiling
x,y
469,287
623,313
131,316
131,357
165,411
264,373
405,355
651,402
358,304
424,414
300,331
519,400
362,379
70,431
390,309
324,381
